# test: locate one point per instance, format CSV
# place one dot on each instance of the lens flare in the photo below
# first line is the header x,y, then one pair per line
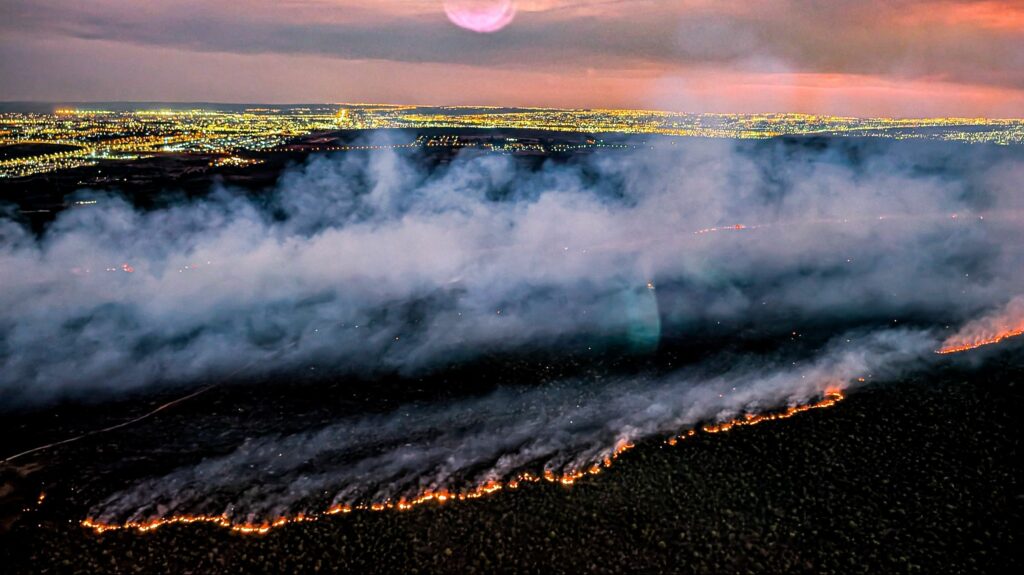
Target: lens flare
x,y
482,16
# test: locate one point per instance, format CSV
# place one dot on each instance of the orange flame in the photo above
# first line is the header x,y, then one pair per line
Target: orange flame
x,y
440,496
1007,323
831,398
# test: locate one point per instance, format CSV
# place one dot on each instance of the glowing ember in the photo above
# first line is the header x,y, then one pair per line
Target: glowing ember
x,y
483,16
1007,323
953,348
567,478
831,398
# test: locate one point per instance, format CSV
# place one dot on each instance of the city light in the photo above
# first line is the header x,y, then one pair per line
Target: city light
x,y
90,137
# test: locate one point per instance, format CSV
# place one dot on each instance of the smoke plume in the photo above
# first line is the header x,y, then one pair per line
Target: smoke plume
x,y
380,262
374,262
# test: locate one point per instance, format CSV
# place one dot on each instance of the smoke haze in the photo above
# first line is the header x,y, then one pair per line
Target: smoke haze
x,y
372,262
376,263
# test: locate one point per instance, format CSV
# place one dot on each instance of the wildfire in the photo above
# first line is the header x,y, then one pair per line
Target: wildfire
x,y
966,340
954,345
441,496
980,342
1007,323
831,398
991,330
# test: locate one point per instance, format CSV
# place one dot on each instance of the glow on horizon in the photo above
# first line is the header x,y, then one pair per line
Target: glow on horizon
x,y
871,58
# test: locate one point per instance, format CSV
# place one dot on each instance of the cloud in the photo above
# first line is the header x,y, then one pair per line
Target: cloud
x,y
892,39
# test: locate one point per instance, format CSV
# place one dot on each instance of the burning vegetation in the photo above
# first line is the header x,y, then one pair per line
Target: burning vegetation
x,y
1006,323
442,496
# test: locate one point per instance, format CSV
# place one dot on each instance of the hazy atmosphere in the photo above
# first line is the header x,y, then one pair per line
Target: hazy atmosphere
x,y
906,58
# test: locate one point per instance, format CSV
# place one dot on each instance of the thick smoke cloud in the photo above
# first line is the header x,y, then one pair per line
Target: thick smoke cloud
x,y
372,262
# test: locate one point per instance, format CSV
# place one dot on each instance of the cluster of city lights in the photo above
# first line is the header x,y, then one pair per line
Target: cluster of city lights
x,y
88,137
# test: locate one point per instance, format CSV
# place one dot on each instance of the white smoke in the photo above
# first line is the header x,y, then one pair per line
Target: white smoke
x,y
559,427
373,262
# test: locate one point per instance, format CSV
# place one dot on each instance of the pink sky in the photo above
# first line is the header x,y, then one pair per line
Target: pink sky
x,y
865,58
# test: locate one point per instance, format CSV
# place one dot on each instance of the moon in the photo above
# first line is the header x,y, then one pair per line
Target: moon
x,y
482,16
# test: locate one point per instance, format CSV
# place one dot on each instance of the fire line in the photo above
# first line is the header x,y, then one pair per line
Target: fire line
x,y
980,342
442,496
568,478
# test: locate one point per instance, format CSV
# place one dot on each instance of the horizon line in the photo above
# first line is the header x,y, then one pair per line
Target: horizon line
x,y
485,106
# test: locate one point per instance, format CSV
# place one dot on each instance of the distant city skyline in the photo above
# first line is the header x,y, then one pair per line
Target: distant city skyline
x,y
903,58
